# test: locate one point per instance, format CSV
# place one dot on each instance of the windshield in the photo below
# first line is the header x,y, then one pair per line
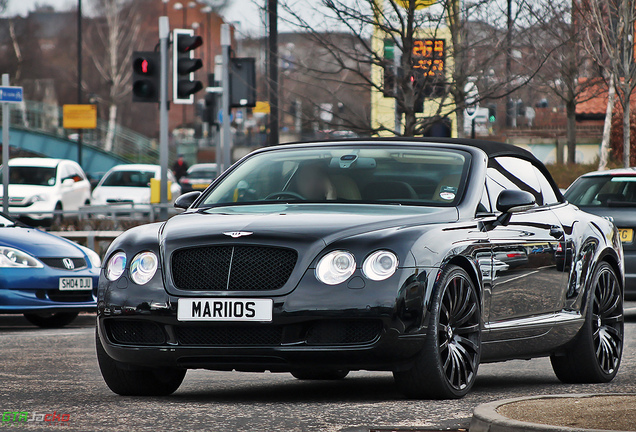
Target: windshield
x,y
390,175
603,191
129,178
29,175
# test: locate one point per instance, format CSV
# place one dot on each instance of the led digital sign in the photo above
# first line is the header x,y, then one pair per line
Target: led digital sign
x,y
429,56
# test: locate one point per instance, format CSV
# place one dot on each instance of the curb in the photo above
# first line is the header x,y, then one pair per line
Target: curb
x,y
487,419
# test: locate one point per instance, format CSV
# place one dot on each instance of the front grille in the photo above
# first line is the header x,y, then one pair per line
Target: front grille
x,y
233,268
132,332
343,332
70,296
78,263
229,335
17,202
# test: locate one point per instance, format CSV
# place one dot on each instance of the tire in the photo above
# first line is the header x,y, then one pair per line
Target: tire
x,y
595,355
320,374
446,368
127,380
51,320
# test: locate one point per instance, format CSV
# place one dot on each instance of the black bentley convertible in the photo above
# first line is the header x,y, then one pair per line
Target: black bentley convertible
x,y
424,258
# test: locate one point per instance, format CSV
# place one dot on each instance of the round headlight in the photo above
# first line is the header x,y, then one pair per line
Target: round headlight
x,y
143,267
335,267
116,266
11,257
380,265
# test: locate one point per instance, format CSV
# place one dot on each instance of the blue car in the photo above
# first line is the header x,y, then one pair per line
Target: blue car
x,y
47,278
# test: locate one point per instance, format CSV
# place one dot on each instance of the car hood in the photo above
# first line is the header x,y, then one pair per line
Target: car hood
x,y
38,243
308,229
27,190
327,222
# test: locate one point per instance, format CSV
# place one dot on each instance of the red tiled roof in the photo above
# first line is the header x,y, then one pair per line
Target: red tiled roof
x,y
593,98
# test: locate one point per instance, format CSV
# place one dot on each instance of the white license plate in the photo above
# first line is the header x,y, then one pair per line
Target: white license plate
x,y
75,283
224,309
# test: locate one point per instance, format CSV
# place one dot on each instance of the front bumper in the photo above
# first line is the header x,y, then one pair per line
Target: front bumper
x,y
32,290
37,211
378,327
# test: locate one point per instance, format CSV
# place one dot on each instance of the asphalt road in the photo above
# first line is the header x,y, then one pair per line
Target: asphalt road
x,y
55,372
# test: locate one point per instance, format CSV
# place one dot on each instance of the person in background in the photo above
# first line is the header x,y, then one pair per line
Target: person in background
x,y
180,167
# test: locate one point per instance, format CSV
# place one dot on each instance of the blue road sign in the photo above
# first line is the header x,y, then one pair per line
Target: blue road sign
x,y
11,94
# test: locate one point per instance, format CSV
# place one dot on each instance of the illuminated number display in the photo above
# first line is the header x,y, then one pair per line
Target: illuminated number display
x,y
429,56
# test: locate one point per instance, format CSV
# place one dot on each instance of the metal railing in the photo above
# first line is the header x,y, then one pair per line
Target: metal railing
x,y
46,118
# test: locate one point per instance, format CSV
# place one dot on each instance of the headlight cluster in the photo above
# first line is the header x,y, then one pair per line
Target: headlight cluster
x,y
92,256
142,268
338,266
15,258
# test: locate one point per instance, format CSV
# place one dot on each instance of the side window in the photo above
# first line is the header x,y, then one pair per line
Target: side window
x,y
549,196
514,174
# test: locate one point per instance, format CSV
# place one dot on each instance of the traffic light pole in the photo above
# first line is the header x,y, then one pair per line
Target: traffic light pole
x,y
226,143
5,149
164,34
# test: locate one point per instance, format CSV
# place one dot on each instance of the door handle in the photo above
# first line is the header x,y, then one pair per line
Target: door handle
x,y
556,232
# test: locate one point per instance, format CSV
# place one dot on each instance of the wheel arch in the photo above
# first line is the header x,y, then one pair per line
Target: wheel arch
x,y
470,268
609,255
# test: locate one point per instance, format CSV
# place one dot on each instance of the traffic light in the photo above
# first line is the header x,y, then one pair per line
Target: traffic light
x,y
146,76
492,113
420,89
210,109
183,66
242,82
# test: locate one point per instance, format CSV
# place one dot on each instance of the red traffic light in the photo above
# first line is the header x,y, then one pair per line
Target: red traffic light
x,y
145,77
143,66
187,43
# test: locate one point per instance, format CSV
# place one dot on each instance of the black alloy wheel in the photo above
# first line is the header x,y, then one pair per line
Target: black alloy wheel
x,y
447,366
595,355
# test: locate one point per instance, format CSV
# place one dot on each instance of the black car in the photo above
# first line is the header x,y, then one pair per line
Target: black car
x,y
612,194
198,177
322,258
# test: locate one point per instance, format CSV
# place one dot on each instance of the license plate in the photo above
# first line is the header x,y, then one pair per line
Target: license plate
x,y
75,283
222,309
200,185
627,234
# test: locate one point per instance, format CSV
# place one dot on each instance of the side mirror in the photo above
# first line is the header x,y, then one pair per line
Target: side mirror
x,y
515,201
185,201
510,202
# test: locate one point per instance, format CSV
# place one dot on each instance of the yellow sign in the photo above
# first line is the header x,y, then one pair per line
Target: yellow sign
x,y
419,4
261,107
80,116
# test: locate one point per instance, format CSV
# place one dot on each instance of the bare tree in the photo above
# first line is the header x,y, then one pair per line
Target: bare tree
x,y
115,36
610,40
560,33
401,23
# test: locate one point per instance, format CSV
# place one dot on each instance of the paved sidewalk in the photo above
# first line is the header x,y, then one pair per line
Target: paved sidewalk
x,y
560,413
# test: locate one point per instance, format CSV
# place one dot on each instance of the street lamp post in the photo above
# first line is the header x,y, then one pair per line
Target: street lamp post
x,y
79,76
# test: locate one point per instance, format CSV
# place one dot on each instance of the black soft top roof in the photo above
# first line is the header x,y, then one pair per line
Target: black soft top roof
x,y
491,148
